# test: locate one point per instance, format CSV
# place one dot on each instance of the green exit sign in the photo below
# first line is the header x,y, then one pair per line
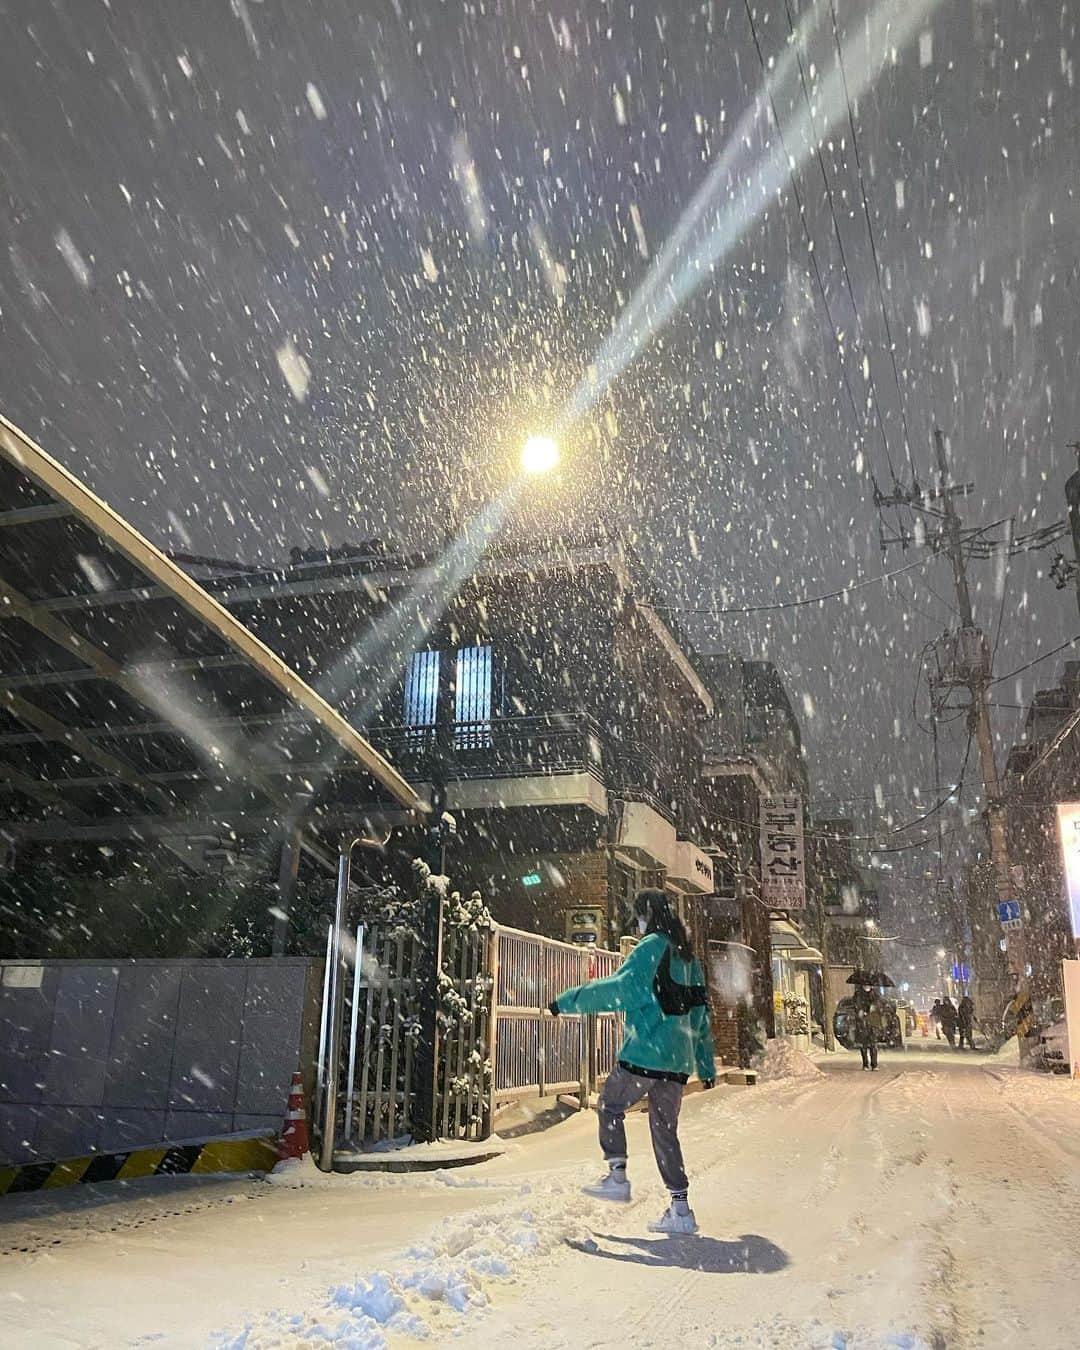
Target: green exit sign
x,y
531,879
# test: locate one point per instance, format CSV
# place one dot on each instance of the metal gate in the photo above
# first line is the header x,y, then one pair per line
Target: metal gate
x,y
496,1042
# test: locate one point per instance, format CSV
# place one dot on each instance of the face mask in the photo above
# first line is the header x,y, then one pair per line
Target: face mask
x,y
642,924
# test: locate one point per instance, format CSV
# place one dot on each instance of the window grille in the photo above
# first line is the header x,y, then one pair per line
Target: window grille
x,y
472,699
421,694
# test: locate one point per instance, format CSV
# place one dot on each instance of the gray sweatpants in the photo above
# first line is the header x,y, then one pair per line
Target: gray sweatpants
x,y
622,1090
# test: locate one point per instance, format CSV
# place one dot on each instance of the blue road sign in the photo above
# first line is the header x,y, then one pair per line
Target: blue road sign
x,y
1009,911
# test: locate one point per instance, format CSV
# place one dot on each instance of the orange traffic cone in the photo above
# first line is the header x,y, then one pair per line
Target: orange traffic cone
x,y
294,1137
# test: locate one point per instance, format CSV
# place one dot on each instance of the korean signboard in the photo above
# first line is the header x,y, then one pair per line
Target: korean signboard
x,y
783,861
1069,829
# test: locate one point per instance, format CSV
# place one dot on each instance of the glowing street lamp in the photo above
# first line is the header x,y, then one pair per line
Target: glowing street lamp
x,y
539,454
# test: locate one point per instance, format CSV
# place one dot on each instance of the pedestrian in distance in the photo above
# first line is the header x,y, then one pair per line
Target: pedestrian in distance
x,y
935,1017
965,1021
949,1020
868,1024
660,991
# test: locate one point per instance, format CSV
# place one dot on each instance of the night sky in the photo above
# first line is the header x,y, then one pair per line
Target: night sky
x,y
278,271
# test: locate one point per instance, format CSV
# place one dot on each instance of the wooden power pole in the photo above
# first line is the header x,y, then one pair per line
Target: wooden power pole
x,y
972,666
967,665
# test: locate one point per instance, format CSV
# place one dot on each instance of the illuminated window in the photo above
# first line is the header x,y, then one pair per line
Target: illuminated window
x,y
472,698
422,691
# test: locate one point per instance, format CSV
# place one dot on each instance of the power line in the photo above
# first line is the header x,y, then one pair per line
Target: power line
x,y
1035,540
873,241
839,239
831,836
806,228
794,604
921,843
1045,657
957,788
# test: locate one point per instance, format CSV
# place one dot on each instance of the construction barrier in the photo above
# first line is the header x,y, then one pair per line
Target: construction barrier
x,y
235,1153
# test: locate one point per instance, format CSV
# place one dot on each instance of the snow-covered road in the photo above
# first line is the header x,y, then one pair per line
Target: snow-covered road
x,y
934,1203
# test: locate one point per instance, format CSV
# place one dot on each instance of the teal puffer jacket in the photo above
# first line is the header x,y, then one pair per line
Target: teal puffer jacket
x,y
662,1045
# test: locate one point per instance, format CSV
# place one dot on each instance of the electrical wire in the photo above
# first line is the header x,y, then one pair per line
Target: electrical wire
x,y
793,604
921,843
1044,657
943,801
827,834
873,241
839,238
806,231
1023,543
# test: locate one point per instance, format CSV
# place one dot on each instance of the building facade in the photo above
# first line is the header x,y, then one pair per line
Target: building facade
x,y
752,751
543,702
1041,771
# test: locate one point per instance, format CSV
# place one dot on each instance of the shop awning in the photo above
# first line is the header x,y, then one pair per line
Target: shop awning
x,y
788,941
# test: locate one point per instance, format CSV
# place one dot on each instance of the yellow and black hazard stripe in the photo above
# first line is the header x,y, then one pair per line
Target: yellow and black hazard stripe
x,y
248,1154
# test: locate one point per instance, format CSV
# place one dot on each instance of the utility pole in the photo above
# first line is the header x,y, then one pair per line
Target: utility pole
x,y
966,665
973,660
946,894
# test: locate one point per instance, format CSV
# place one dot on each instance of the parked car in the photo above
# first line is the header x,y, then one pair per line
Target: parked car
x,y
844,1025
1051,1054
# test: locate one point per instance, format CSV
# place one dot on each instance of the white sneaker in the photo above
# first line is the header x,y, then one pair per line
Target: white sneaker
x,y
609,1187
677,1218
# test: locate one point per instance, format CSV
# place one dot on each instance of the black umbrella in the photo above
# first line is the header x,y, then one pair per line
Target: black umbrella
x,y
879,980
859,977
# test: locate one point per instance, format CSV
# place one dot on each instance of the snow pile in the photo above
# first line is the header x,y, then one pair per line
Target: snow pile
x,y
424,1292
780,1059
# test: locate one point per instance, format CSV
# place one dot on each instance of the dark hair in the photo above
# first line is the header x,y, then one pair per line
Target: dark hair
x,y
663,919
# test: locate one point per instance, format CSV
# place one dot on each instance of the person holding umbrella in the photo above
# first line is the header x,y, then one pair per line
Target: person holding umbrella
x,y
867,1024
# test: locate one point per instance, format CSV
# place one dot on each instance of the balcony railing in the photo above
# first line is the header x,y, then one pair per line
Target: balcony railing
x,y
541,746
500,747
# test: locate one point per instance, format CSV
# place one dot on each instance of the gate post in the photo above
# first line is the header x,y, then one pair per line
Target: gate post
x,y
585,1061
336,1005
425,1114
493,1027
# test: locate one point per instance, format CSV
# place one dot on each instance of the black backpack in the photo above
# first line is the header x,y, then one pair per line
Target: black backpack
x,y
675,999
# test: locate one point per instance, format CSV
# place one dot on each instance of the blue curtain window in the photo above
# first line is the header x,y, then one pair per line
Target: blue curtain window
x,y
422,690
472,698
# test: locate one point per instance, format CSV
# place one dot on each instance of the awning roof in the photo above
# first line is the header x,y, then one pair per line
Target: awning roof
x,y
154,716
804,956
785,937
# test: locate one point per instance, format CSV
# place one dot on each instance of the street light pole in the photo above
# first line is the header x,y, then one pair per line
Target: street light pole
x,y
333,1057
335,985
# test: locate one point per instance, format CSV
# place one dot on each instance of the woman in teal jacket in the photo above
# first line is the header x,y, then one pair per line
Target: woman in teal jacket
x,y
658,1054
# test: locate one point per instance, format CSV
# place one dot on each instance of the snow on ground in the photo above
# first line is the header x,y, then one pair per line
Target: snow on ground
x,y
931,1205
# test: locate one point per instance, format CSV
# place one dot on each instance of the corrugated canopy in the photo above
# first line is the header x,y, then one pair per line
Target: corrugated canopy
x,y
156,717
